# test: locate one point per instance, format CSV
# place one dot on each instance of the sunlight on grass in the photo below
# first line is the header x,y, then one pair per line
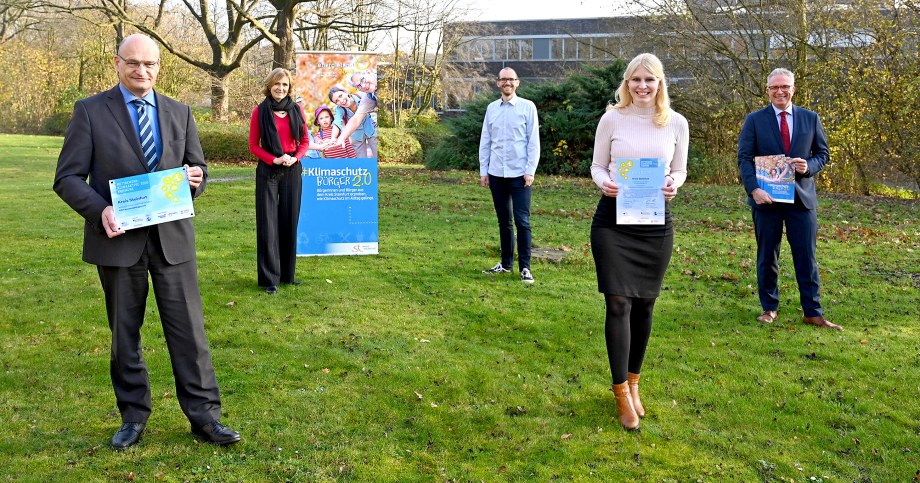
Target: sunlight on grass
x,y
413,366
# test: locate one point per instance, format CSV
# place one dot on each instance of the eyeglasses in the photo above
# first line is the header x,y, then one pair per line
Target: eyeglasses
x,y
362,84
134,64
505,80
782,88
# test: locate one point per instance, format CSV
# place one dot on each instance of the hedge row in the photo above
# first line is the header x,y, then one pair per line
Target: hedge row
x,y
230,143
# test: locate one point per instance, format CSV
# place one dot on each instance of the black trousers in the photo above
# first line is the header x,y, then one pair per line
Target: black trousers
x,y
512,199
175,288
278,191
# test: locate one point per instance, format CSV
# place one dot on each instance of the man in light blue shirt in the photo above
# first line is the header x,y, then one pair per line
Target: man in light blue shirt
x,y
509,151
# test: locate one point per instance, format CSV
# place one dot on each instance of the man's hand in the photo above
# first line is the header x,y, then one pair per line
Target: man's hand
x,y
801,166
484,181
761,197
195,176
528,180
108,221
670,191
610,188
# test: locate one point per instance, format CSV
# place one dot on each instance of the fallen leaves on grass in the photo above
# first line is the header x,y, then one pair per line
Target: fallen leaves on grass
x,y
515,411
417,394
230,304
566,436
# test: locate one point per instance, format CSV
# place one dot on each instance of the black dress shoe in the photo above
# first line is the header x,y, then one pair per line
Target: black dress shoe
x,y
216,433
295,282
127,435
272,289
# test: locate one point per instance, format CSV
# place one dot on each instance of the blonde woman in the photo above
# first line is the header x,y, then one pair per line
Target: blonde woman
x,y
631,259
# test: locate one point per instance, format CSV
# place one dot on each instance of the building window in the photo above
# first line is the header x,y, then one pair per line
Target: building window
x,y
541,49
558,49
571,48
482,50
501,49
514,50
527,49
598,48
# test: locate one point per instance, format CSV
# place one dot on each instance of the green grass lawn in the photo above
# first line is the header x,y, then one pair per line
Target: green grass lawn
x,y
412,366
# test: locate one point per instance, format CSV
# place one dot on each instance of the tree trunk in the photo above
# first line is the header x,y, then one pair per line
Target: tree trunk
x,y
220,98
284,30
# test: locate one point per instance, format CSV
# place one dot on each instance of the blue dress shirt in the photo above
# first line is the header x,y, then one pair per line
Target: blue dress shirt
x,y
151,101
510,142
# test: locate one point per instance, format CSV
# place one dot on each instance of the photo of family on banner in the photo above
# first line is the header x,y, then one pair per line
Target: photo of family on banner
x,y
338,213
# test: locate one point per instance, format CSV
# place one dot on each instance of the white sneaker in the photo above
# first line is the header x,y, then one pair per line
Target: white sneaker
x,y
526,276
498,268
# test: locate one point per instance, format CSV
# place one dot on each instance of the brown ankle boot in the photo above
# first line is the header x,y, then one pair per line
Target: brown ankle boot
x,y
628,417
633,380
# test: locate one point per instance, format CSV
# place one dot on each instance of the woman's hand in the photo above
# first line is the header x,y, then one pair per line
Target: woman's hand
x,y
610,188
670,191
278,160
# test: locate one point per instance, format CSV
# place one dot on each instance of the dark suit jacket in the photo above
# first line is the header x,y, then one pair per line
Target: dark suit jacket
x,y
760,137
101,144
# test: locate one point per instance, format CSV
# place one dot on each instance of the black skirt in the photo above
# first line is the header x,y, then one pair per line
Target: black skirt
x,y
628,264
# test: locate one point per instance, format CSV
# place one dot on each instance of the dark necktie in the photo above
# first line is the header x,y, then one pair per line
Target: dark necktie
x,y
784,131
145,132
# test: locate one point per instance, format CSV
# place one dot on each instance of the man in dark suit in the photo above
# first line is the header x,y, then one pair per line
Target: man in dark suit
x,y
126,131
782,128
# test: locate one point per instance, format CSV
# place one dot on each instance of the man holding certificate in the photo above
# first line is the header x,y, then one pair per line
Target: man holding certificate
x,y
782,129
640,159
127,131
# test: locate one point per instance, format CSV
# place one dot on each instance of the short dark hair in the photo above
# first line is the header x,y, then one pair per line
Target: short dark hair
x,y
333,90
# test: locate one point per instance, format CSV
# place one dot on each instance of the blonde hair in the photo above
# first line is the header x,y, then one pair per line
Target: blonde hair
x,y
662,102
273,77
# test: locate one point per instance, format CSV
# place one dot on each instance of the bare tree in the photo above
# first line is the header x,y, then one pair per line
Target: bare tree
x,y
225,28
414,79
348,16
17,16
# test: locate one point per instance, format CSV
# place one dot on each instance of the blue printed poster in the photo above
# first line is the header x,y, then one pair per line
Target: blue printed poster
x,y
151,198
640,200
776,176
338,211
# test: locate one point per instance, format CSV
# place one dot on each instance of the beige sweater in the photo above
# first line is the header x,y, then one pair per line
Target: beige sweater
x,y
632,134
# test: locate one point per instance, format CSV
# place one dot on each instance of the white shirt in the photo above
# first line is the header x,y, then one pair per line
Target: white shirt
x,y
510,142
779,119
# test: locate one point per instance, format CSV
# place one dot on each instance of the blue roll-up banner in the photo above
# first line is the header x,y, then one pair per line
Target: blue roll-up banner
x,y
338,212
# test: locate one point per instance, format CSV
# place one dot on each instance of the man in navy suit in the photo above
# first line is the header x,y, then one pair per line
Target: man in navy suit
x,y
782,128
129,130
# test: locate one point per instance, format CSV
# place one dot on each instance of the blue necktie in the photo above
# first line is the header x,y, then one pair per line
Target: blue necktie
x,y
146,134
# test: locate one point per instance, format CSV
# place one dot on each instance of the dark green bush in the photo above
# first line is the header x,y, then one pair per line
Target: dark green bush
x,y
428,136
398,146
56,123
568,113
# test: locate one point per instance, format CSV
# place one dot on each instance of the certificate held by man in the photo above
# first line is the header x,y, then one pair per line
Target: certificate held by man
x,y
151,198
640,200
